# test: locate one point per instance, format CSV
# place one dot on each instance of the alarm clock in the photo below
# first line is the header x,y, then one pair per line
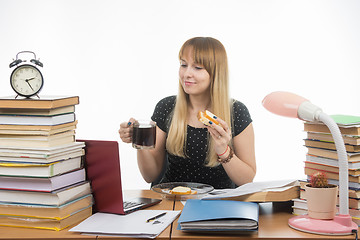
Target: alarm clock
x,y
26,79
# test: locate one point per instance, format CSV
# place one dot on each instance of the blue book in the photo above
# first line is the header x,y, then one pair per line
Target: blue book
x,y
219,215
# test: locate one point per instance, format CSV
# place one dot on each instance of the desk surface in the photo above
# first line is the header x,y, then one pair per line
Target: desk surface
x,y
272,225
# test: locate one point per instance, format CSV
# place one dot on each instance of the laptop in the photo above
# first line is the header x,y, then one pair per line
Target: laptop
x,y
102,163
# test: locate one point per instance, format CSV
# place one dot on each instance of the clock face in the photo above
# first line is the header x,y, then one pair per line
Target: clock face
x,y
26,80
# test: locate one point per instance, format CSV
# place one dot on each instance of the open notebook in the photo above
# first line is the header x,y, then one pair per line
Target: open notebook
x,y
102,163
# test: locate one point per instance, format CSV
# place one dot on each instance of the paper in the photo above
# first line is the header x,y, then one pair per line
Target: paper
x,y
249,188
131,225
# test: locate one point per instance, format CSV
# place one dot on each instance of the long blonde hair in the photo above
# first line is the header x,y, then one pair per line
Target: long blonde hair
x,y
211,54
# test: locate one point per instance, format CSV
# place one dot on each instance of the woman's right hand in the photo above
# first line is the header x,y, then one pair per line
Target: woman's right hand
x,y
125,131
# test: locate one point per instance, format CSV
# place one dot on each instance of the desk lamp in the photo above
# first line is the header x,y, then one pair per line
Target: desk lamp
x,y
291,105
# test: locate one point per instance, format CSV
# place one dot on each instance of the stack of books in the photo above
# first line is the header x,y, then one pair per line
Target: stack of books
x,y
42,178
322,156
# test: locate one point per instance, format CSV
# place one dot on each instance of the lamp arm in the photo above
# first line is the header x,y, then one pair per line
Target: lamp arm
x,y
342,161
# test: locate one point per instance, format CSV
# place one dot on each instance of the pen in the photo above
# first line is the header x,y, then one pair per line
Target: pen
x,y
156,217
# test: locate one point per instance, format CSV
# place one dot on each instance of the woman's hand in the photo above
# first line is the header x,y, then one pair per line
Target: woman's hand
x,y
125,131
221,134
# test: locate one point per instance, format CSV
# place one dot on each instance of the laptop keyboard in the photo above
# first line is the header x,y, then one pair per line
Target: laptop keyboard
x,y
129,204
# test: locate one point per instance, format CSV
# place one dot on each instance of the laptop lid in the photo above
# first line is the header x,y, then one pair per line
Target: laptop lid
x,y
102,163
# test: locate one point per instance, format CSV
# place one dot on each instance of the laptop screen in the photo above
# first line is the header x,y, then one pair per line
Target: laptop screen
x,y
102,163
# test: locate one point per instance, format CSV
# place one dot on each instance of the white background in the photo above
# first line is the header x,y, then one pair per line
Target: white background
x,y
120,58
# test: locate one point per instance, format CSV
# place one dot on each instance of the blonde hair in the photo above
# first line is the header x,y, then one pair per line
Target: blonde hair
x,y
211,54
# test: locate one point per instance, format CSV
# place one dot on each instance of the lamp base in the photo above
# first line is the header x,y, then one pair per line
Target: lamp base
x,y
340,225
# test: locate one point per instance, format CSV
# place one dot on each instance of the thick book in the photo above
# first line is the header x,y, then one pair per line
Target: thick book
x,y
321,128
55,198
50,141
36,129
42,154
330,168
219,215
331,162
44,102
270,195
37,112
37,158
266,191
39,169
330,145
42,184
45,223
348,139
37,120
45,211
327,153
15,133
348,125
331,175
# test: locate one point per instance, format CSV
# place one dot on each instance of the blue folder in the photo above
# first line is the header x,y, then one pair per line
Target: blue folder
x,y
219,215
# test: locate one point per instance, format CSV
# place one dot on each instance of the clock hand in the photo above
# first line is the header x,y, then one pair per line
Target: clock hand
x,y
27,81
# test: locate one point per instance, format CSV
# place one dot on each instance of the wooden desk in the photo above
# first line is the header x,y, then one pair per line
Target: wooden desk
x,y
272,225
37,234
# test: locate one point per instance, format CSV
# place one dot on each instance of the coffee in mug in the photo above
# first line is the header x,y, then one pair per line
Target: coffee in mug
x,y
144,134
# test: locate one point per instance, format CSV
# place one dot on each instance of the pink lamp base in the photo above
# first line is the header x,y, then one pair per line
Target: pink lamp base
x,y
340,225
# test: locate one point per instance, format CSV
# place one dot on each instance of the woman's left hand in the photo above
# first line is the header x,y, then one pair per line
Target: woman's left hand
x,y
221,134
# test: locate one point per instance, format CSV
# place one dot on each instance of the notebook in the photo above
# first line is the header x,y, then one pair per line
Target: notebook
x,y
219,215
102,163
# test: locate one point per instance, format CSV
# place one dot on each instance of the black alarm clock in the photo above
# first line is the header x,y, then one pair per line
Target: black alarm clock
x,y
26,79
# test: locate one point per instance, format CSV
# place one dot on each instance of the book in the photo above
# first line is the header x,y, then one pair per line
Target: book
x,y
46,154
45,211
37,112
37,137
37,120
45,223
346,120
327,153
348,139
36,141
330,161
330,168
39,169
37,129
267,191
37,158
269,195
330,145
55,198
219,215
45,102
332,175
42,184
36,132
321,128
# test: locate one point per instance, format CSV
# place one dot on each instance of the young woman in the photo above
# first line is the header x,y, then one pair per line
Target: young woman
x,y
220,155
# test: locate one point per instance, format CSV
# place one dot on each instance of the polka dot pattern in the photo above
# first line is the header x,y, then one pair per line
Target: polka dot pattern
x,y
192,168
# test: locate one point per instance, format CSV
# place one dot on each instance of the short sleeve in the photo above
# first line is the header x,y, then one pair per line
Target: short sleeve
x,y
241,117
163,111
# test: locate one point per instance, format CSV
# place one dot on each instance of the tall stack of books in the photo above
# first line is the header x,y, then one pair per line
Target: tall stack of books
x,y
322,156
42,178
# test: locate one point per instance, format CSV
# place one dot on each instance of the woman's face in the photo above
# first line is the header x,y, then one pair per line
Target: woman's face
x,y
194,79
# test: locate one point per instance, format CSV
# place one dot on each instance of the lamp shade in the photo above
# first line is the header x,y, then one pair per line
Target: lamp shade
x,y
291,105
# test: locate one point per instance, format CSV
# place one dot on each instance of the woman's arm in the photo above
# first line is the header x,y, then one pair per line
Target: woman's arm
x,y
242,167
151,161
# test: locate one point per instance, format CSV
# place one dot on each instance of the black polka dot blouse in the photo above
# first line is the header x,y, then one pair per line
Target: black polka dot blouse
x,y
192,168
